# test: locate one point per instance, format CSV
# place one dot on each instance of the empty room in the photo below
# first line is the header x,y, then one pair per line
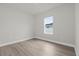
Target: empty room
x,y
39,29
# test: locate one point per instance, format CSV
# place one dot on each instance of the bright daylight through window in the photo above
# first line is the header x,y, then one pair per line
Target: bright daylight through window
x,y
48,25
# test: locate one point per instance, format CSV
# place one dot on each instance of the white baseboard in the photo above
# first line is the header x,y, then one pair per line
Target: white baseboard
x,y
17,41
23,39
56,42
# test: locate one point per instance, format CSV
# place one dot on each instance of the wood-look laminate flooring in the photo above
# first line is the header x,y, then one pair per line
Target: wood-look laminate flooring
x,y
36,47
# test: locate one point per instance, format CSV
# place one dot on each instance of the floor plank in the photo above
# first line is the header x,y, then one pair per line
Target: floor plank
x,y
36,47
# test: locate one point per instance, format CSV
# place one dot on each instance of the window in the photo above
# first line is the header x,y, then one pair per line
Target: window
x,y
48,25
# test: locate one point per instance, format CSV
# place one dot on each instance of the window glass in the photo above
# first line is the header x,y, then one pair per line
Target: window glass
x,y
48,25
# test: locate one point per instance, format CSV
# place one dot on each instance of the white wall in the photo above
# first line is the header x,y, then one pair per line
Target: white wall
x,y
77,29
14,25
63,24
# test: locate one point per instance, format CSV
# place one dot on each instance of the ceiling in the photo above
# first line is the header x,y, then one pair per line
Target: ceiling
x,y
32,8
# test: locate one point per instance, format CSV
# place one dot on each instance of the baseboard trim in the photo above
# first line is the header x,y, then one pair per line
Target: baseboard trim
x,y
65,44
17,41
23,39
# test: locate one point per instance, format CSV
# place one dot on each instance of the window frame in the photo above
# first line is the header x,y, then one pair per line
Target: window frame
x,y
44,31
